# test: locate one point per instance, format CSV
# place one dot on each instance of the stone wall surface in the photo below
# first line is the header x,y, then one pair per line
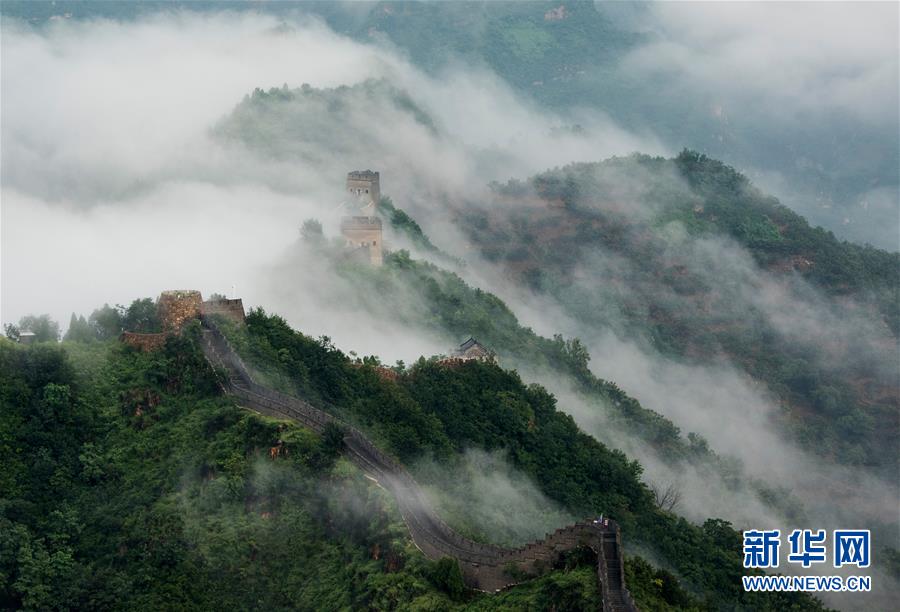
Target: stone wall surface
x,y
230,309
383,372
144,342
176,308
484,566
365,185
364,233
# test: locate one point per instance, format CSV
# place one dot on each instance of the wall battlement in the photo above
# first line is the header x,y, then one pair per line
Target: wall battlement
x,y
362,175
230,309
365,185
177,308
360,222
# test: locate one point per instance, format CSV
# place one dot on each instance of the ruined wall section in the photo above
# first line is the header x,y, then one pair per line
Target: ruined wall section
x,y
230,309
177,308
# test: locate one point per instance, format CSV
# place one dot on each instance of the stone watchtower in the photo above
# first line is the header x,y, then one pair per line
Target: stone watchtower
x,y
363,236
365,185
362,231
177,308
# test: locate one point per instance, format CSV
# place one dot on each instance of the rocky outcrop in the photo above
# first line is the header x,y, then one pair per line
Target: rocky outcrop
x,y
484,566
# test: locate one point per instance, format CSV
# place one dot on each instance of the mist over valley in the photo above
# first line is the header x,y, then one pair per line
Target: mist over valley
x,y
681,264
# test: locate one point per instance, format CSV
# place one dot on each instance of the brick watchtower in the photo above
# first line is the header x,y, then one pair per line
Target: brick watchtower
x,y
363,236
365,185
362,231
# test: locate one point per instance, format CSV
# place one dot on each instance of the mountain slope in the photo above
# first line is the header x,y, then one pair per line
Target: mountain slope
x,y
132,484
656,249
482,406
683,255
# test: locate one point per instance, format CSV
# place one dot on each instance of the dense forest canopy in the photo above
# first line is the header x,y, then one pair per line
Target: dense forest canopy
x,y
678,228
132,482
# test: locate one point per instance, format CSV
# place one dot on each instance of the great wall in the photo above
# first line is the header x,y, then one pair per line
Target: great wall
x,y
484,567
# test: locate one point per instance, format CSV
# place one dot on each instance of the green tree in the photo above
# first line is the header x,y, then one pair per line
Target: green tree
x,y
79,330
107,322
311,231
12,331
42,326
446,575
142,317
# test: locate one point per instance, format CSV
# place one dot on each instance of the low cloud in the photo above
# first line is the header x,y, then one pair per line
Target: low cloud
x,y
787,59
116,184
802,97
486,497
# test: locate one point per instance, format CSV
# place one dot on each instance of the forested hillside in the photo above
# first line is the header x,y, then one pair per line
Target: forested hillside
x,y
571,55
130,483
684,255
656,248
437,411
133,483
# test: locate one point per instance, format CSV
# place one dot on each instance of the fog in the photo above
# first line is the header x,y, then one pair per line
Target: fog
x,y
113,172
126,183
790,58
483,495
738,416
117,183
803,97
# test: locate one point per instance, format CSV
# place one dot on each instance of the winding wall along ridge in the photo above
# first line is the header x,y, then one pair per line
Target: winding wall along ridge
x,y
484,566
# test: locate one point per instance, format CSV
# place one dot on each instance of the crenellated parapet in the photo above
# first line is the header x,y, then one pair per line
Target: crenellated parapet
x,y
177,308
230,309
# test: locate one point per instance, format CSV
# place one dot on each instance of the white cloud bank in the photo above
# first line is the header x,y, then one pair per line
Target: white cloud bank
x,y
113,187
